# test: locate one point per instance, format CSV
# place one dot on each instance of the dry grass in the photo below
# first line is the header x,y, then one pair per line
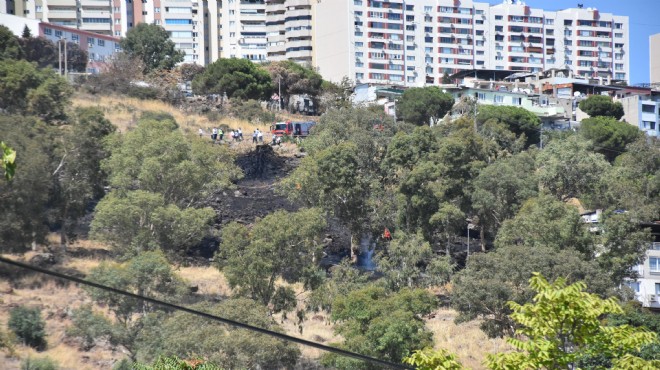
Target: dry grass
x,y
209,280
56,303
124,112
465,340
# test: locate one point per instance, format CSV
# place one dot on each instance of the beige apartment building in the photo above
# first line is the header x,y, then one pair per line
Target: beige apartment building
x,y
414,43
654,54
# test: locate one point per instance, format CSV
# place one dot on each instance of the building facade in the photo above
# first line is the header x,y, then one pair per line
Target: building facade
x,y
414,43
654,54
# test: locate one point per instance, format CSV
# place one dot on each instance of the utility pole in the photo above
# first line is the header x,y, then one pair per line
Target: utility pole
x,y
59,58
66,64
279,92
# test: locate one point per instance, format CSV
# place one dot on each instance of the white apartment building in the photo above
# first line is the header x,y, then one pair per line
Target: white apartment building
x,y
243,28
417,42
289,30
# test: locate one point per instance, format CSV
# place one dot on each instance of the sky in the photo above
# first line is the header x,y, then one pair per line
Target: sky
x,y
644,18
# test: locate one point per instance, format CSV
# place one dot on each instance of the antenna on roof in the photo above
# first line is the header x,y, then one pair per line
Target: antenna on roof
x,y
580,6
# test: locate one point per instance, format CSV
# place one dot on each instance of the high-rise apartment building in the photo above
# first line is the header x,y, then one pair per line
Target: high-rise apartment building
x,y
654,54
289,30
417,42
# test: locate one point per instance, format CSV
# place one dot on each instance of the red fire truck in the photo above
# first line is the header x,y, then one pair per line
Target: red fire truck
x,y
288,128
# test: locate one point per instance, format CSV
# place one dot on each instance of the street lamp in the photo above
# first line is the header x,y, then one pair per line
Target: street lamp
x,y
469,224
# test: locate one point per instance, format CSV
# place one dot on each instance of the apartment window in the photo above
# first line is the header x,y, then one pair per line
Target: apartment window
x,y
618,26
649,125
549,21
481,96
410,58
568,22
657,288
618,46
446,9
499,37
654,264
517,101
428,9
359,44
359,33
38,8
479,11
157,9
499,57
480,52
480,32
428,60
479,21
90,41
117,21
144,12
428,29
549,31
648,108
116,9
178,21
618,35
157,22
96,20
101,42
634,285
357,2
499,47
618,56
118,33
58,33
618,67
359,54
48,31
498,17
498,99
359,64
410,7
75,38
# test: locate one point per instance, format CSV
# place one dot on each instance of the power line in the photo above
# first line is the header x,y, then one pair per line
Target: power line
x,y
208,316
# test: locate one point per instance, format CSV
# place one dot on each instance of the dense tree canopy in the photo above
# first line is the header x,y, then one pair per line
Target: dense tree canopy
x,y
29,90
423,105
10,48
602,105
610,137
292,78
281,245
517,120
238,78
151,44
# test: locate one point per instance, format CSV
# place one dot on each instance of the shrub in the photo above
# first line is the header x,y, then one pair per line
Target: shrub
x,y
43,363
28,326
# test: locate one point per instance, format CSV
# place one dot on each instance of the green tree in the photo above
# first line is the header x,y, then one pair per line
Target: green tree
x,y
330,179
569,169
24,199
40,50
623,246
602,106
501,189
562,227
430,359
10,48
490,280
28,325
186,336
562,322
26,32
517,120
29,90
422,105
375,323
148,274
408,261
8,161
634,181
175,363
151,44
292,78
610,136
281,245
238,78
143,221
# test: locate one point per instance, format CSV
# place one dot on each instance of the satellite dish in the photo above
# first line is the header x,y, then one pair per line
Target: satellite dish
x,y
576,94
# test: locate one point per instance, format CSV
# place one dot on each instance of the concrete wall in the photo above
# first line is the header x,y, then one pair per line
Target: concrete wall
x,y
16,24
654,53
631,109
333,40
